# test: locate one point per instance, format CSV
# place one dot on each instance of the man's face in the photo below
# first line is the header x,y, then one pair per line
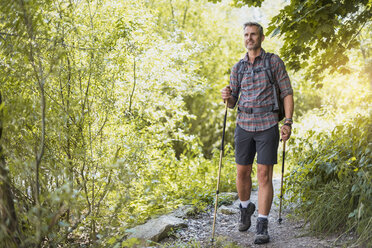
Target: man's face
x,y
252,38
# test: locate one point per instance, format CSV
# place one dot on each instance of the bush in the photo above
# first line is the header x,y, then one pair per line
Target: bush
x,y
331,184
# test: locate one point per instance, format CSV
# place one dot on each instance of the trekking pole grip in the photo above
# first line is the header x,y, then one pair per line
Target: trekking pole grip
x,y
224,126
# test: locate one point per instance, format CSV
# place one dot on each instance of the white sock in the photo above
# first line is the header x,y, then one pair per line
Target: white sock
x,y
245,203
262,216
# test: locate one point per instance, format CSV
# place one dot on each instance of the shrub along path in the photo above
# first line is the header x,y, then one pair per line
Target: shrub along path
x,y
289,233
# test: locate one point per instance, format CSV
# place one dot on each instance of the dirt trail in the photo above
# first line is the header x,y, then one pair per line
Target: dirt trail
x,y
287,234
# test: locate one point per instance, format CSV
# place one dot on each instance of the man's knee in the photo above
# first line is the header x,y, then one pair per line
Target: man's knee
x,y
243,171
264,173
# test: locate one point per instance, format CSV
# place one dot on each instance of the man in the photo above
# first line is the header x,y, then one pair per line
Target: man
x,y
257,126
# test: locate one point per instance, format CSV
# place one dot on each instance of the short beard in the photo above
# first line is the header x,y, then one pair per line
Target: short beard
x,y
255,46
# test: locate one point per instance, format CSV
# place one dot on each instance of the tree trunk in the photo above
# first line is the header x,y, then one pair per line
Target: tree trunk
x,y
8,217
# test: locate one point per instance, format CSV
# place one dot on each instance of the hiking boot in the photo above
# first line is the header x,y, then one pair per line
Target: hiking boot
x,y
245,216
262,235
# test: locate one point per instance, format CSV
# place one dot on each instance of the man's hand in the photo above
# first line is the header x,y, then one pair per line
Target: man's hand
x,y
285,132
226,93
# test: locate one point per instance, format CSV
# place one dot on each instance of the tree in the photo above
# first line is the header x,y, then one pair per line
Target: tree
x,y
319,33
94,104
8,216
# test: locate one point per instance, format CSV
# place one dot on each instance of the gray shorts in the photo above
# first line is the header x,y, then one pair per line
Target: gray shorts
x,y
265,143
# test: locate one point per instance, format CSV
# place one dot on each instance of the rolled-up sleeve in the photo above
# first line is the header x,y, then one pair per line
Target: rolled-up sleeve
x,y
280,74
234,83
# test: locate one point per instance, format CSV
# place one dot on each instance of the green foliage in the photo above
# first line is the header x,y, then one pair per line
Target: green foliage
x,y
329,96
331,183
112,112
318,34
96,125
199,21
133,242
240,3
226,199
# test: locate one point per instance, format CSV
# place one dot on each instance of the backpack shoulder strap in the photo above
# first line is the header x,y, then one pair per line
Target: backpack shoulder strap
x,y
274,83
241,64
267,65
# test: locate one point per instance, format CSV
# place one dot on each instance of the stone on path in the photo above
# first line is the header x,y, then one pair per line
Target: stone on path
x,y
231,210
157,229
185,212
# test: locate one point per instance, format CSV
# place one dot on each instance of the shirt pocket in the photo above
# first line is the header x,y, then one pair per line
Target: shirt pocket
x,y
247,79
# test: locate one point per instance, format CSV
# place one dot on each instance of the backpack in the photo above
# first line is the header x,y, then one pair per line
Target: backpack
x,y
278,102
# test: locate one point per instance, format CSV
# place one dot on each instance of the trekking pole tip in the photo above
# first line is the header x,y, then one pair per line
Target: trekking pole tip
x,y
280,220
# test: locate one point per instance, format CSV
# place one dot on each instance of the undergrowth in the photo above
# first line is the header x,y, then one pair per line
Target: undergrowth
x,y
331,182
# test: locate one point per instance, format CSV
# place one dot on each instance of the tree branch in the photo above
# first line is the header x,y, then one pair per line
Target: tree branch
x,y
134,85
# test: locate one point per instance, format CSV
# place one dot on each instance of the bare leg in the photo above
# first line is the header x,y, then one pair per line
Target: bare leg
x,y
244,181
265,188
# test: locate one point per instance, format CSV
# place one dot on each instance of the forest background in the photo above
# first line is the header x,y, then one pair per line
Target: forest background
x,y
111,112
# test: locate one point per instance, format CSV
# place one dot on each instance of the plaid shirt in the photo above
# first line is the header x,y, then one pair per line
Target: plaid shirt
x,y
256,91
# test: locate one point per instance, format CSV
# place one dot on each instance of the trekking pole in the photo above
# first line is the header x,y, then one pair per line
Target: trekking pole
x,y
281,186
219,173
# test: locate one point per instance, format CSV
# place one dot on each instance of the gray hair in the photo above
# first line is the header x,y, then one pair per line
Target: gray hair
x,y
249,24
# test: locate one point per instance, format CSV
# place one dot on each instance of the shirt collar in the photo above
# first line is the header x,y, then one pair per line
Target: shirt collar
x,y
262,55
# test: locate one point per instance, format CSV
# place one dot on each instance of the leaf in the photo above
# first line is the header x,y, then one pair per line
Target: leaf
x,y
111,241
352,214
355,186
360,210
275,32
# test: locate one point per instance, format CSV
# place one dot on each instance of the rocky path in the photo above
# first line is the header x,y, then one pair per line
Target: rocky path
x,y
287,234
